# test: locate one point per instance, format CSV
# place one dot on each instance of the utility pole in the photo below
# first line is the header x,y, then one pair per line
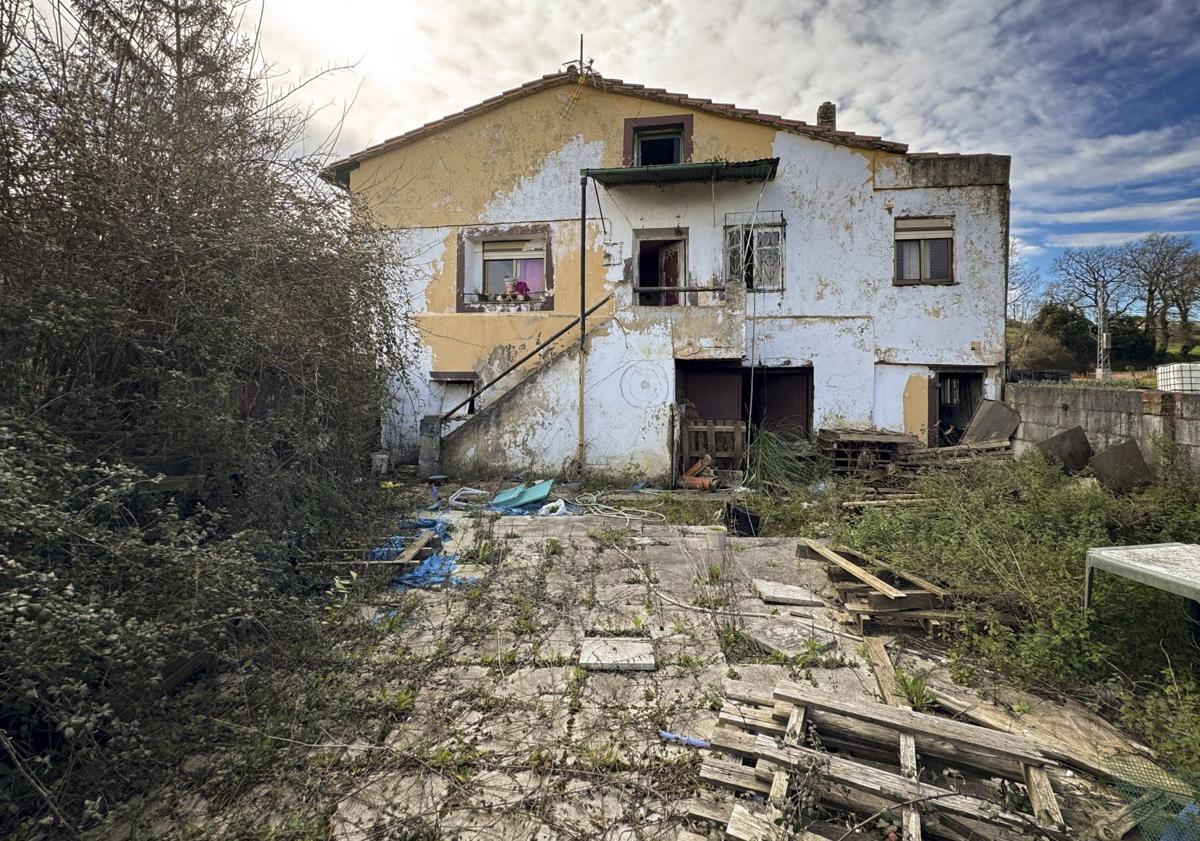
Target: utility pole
x,y
1103,338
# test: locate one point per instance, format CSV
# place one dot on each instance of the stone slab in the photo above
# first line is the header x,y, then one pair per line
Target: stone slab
x,y
789,637
773,592
993,421
1070,448
616,654
1121,468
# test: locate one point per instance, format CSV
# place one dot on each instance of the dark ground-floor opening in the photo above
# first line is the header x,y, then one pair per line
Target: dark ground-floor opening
x,y
953,398
724,403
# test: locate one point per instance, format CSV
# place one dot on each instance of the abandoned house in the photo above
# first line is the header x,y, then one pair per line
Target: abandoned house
x,y
731,269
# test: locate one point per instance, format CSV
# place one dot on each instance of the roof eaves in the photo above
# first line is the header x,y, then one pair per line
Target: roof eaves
x,y
621,87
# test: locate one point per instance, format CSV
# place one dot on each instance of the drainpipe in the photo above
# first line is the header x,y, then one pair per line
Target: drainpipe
x,y
581,455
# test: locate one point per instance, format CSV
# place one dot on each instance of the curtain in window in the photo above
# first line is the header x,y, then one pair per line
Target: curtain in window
x,y
908,259
533,274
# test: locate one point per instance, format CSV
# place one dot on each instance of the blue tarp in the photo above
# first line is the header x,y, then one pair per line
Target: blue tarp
x,y
438,568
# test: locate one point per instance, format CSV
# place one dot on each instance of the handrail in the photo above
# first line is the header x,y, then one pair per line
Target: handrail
x,y
570,326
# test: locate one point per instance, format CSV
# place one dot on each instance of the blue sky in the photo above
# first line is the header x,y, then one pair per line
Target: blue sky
x,y
1098,103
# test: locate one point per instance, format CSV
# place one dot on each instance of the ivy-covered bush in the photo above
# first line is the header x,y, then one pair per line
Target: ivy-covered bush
x,y
104,584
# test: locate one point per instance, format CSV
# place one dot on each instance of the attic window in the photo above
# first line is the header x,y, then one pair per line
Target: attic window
x,y
658,141
924,250
654,148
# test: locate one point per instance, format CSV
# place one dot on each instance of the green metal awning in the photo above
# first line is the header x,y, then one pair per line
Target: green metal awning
x,y
678,173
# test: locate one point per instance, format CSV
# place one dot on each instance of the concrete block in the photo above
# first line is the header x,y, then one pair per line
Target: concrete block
x,y
772,592
429,455
789,637
1121,468
616,654
1070,449
993,421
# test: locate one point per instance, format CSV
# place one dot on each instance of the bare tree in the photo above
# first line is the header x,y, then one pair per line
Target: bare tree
x,y
1155,265
1095,280
1184,293
1024,283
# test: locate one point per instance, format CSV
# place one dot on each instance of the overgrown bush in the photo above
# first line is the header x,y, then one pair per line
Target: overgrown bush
x,y
1039,351
1010,538
104,584
180,296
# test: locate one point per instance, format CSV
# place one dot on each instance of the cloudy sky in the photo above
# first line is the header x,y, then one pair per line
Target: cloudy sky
x,y
1097,102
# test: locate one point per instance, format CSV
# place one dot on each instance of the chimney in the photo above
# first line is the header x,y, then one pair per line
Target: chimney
x,y
827,116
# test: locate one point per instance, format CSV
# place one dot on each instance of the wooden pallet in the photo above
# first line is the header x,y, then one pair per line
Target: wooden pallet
x,y
875,766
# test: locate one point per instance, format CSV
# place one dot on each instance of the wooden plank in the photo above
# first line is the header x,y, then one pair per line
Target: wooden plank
x,y
707,809
745,825
893,786
732,775
750,718
896,571
733,741
911,600
1041,797
885,676
779,782
884,671
920,724
852,568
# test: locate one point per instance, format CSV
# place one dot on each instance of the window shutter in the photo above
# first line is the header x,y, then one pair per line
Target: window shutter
x,y
937,252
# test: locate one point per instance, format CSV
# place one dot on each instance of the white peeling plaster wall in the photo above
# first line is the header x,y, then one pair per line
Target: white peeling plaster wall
x,y
420,252
839,311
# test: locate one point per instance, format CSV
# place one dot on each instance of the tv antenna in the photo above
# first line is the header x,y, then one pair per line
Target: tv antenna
x,y
583,68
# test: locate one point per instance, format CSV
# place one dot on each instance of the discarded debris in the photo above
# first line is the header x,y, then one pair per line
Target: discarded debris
x,y
1070,448
617,654
1121,468
773,592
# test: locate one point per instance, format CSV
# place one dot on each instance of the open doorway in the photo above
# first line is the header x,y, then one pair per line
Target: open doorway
x,y
953,398
661,267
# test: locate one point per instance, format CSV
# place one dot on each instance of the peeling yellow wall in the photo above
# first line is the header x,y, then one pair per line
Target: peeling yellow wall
x,y
916,406
448,177
447,180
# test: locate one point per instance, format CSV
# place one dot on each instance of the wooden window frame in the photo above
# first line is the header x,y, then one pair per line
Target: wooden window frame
x,y
740,274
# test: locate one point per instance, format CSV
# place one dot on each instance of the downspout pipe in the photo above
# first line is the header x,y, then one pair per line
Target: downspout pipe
x,y
581,455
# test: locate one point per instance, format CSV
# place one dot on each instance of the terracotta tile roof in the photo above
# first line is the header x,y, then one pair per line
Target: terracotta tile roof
x,y
846,138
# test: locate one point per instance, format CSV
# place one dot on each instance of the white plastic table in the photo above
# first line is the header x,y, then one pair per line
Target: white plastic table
x,y
1174,567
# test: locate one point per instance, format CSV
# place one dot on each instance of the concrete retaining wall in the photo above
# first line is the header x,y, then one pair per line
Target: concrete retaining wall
x,y
1108,415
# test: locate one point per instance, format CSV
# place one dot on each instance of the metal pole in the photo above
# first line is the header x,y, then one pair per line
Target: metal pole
x,y
583,179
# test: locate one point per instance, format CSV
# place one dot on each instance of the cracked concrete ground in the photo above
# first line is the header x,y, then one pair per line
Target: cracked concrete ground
x,y
508,738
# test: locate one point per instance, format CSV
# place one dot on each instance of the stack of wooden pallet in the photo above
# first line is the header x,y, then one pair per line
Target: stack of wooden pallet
x,y
874,593
935,777
869,452
917,459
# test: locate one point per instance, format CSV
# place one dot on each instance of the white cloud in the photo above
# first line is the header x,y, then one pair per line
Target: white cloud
x,y
1083,240
1047,81
1179,208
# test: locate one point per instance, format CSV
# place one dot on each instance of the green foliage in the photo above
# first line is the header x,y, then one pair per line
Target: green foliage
x,y
1010,538
1072,328
1037,351
197,336
104,584
782,465
1131,344
915,690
